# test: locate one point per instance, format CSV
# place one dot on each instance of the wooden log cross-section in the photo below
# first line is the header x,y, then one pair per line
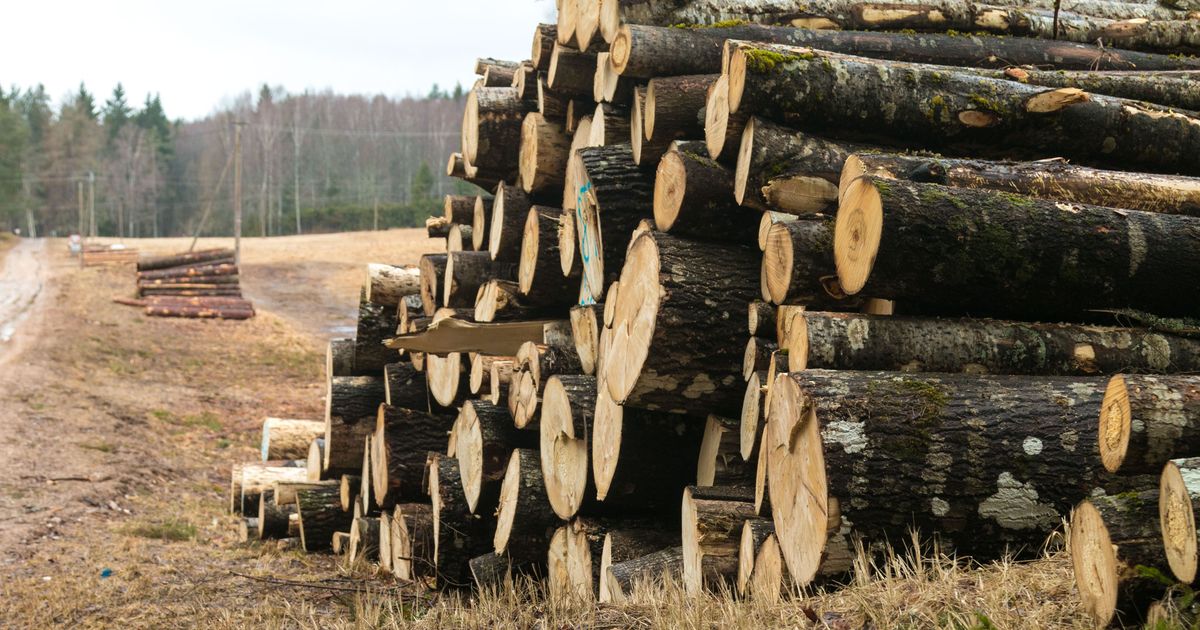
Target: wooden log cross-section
x,y
386,285
483,441
1147,420
712,532
524,519
284,438
351,405
568,405
401,439
1178,504
320,514
458,535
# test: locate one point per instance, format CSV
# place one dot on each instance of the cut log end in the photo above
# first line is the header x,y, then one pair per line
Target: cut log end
x,y
637,304
716,116
479,226
767,583
564,454
670,184
799,489
741,173
510,490
1095,563
752,414
1178,523
1115,424
530,246
857,233
470,129
606,442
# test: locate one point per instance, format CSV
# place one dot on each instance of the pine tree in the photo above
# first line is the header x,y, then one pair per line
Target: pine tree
x,y
85,102
12,146
422,186
116,112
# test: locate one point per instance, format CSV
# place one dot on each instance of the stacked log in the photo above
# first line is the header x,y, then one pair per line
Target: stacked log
x,y
200,285
794,332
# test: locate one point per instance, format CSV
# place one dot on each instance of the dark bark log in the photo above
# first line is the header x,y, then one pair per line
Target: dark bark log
x,y
501,301
943,107
460,209
524,520
1042,261
552,105
483,439
544,37
673,105
412,541
610,125
510,209
1047,179
696,292
544,152
649,51
466,272
628,468
320,513
1114,541
787,170
190,259
491,573
525,81
576,555
614,194
405,387
402,438
376,324
850,341
712,534
199,312
273,520
492,131
625,545
720,461
1148,420
458,535
364,539
624,576
351,406
218,267
761,320
571,71
693,196
757,356
433,271
540,276
437,227
754,532
339,358
990,463
183,282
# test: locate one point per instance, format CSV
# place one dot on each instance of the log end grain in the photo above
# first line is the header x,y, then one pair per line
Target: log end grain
x,y
1177,520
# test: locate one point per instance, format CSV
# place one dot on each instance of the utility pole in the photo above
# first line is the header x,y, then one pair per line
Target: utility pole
x,y
375,223
92,203
237,192
79,189
296,176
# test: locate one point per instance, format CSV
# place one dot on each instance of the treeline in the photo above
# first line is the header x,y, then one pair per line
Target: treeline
x,y
311,162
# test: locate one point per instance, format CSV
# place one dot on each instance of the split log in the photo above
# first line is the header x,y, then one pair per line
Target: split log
x,y
289,439
364,539
491,131
458,534
1043,262
190,259
585,330
544,37
218,267
491,573
851,341
587,24
412,541
401,439
787,170
249,481
571,71
543,157
693,196
614,195
712,531
459,335
937,106
405,387
626,545
433,272
623,577
1115,544
673,105
649,51
627,464
540,277
1047,179
350,407
860,442
275,521
524,520
568,408
720,462
320,514
510,209
1148,420
339,358
466,272
316,459
755,532
484,438
675,315
610,125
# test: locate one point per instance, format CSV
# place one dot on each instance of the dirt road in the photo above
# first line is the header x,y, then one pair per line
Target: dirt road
x,y
23,274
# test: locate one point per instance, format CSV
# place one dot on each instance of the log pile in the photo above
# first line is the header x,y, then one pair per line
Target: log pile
x,y
200,284
723,315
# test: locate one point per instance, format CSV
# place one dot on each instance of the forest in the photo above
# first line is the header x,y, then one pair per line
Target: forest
x,y
311,162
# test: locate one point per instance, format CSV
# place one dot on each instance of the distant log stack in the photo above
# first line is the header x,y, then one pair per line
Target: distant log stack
x,y
792,327
198,285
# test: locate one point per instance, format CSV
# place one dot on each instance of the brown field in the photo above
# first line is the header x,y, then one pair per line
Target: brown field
x,y
119,433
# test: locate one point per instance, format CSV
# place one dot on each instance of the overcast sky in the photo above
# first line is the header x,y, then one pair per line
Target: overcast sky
x,y
199,53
